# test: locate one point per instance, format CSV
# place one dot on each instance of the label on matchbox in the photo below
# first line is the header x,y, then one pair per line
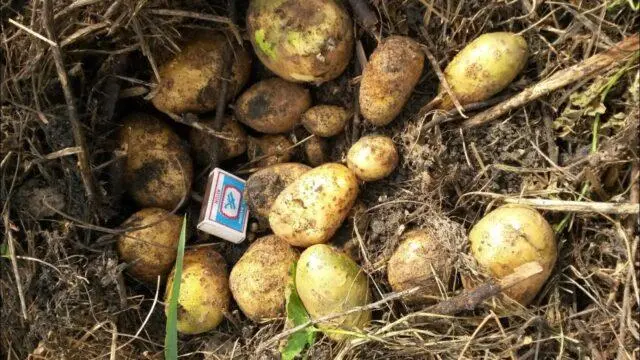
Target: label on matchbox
x,y
224,211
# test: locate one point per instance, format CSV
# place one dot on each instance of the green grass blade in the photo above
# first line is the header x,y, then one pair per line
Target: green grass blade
x,y
171,335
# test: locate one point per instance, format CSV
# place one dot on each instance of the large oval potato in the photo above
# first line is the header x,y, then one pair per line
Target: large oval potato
x,y
190,82
234,145
510,236
150,249
325,120
301,40
259,278
269,150
316,151
484,67
387,81
372,157
204,291
329,282
272,106
310,210
145,131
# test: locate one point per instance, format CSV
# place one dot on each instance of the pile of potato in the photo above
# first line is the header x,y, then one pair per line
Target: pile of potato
x,y
304,205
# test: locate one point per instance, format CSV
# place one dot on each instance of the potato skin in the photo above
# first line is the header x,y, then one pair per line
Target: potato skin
x,y
141,130
316,151
202,143
325,120
151,250
484,67
301,40
272,106
387,81
310,210
372,157
269,144
191,80
259,278
510,236
204,291
330,282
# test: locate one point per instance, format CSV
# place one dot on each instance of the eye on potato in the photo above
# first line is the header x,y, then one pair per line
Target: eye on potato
x,y
270,149
372,157
325,120
202,142
316,151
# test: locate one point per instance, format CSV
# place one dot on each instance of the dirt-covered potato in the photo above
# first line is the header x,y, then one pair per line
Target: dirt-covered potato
x,y
510,236
191,80
264,186
484,67
329,282
150,251
387,81
234,144
270,149
144,131
259,278
372,157
316,151
310,210
325,120
301,40
204,291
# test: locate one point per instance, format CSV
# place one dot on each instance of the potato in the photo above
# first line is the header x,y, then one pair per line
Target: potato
x,y
329,282
301,40
270,149
510,236
272,106
202,142
150,250
484,67
140,130
325,120
259,278
387,81
422,261
191,80
265,185
310,210
372,157
204,291
316,151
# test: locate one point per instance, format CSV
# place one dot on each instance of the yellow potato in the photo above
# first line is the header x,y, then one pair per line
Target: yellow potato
x,y
301,40
325,120
202,142
144,131
191,80
387,81
270,149
259,278
372,157
310,210
329,282
204,291
151,250
316,150
484,67
510,236
272,106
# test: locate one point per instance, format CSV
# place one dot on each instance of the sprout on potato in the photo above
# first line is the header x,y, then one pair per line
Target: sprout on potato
x,y
234,143
269,150
325,120
372,157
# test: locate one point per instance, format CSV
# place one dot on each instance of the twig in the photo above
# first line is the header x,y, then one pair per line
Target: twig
x,y
200,16
33,33
443,117
192,121
14,265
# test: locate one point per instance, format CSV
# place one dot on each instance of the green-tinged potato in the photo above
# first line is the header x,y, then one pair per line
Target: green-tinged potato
x,y
204,291
510,236
325,120
329,282
316,151
270,149
259,278
372,157
190,82
272,106
310,210
387,81
421,261
301,40
264,186
151,249
484,67
234,144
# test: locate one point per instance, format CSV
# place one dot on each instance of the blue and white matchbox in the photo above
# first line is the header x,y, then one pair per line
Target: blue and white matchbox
x,y
224,211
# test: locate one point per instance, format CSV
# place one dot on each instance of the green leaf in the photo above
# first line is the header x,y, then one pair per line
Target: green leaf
x,y
171,334
296,315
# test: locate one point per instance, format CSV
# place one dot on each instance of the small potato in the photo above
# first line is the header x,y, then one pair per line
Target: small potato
x,y
191,80
510,236
316,150
484,67
150,250
272,106
392,72
301,40
202,142
372,157
329,282
204,291
270,149
325,120
311,209
259,278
